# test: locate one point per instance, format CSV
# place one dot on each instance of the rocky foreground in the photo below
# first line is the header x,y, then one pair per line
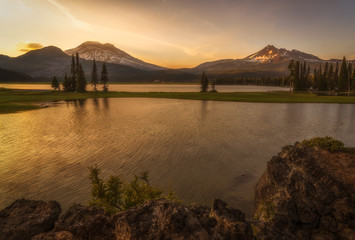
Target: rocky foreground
x,y
158,219
305,193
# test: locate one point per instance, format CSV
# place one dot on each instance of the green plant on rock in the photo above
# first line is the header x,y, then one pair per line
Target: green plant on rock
x,y
327,143
266,210
115,194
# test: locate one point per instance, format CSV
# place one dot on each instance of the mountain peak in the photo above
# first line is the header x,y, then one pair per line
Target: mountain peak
x,y
107,52
270,47
96,44
49,51
272,54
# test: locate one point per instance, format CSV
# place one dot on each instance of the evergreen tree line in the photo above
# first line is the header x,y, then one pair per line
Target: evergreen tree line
x,y
329,78
231,80
76,81
281,81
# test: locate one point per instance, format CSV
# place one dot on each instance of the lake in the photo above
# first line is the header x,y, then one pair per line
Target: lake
x,y
203,149
156,87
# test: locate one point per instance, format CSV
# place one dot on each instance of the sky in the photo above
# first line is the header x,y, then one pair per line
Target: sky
x,y
181,33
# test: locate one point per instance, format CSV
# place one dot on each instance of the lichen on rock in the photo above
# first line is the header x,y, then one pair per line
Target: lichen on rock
x,y
306,193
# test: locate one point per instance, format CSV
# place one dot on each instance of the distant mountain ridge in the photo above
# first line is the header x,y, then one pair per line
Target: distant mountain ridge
x,y
48,61
109,53
269,61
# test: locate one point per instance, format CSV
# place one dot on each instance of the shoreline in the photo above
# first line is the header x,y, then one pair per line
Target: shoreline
x,y
12,101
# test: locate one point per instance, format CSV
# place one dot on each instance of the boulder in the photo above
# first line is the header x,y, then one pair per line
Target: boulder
x,y
164,219
306,193
86,223
24,219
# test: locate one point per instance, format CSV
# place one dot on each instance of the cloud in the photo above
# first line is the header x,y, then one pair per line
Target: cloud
x,y
23,7
26,47
68,14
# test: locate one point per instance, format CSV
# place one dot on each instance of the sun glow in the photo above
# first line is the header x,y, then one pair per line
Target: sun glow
x,y
177,33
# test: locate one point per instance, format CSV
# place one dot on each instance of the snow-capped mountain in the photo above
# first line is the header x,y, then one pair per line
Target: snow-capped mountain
x,y
109,53
266,62
271,54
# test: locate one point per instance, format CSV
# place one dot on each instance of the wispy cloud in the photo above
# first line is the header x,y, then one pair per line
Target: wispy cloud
x,y
187,50
26,47
23,7
68,14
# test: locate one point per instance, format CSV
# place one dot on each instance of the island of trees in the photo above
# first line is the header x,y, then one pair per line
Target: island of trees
x,y
76,81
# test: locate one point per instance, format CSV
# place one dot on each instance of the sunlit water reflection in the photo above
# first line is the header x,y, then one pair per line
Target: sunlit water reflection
x,y
204,149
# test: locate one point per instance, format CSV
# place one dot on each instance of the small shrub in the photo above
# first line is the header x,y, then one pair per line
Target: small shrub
x,y
327,143
115,194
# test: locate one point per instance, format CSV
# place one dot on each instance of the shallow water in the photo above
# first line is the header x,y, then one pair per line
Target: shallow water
x,y
204,149
155,87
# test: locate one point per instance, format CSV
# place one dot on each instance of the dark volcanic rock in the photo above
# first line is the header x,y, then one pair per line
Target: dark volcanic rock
x,y
307,193
64,235
158,219
231,222
163,219
24,219
86,223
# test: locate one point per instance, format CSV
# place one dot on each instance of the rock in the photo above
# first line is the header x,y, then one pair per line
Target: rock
x,y
163,219
64,235
86,223
306,193
231,223
24,219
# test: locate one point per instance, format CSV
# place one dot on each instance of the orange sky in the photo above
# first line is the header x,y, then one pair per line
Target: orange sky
x,y
181,33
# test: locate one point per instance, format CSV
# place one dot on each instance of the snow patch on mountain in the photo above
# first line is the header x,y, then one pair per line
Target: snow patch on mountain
x,y
109,53
271,54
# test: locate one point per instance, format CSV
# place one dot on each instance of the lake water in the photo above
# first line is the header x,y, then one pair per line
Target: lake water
x,y
204,149
156,87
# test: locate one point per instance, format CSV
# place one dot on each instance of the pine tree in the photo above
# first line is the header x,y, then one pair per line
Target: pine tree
x,y
81,81
55,84
350,73
214,86
323,78
336,76
204,82
66,84
77,63
322,83
330,78
302,77
315,79
104,78
326,69
297,84
308,82
343,77
94,76
291,68
73,72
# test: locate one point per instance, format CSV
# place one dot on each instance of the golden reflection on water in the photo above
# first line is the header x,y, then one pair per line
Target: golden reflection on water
x,y
205,149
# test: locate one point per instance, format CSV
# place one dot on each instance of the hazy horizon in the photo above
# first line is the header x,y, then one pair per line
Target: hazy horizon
x,y
175,34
